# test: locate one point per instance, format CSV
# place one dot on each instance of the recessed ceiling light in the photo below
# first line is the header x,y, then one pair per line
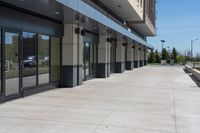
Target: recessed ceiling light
x,y
119,6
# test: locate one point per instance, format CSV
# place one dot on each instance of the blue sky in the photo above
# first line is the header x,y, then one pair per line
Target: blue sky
x,y
178,22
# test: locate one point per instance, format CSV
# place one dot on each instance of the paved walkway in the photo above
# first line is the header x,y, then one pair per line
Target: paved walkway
x,y
145,100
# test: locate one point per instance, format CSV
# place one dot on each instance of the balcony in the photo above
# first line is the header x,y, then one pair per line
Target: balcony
x,y
128,10
139,14
147,26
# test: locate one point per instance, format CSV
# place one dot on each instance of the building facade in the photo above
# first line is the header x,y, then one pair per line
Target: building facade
x,y
46,44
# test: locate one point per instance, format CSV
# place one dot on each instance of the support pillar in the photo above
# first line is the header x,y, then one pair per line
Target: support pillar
x,y
145,57
103,66
129,61
136,56
120,55
141,57
72,56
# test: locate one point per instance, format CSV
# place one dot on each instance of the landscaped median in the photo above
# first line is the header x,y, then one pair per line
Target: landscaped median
x,y
194,71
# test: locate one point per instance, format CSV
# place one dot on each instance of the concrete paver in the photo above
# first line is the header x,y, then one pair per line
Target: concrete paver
x,y
146,100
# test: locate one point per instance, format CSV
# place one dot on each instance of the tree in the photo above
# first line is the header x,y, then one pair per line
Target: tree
x,y
197,56
181,58
157,57
151,58
165,54
174,55
188,55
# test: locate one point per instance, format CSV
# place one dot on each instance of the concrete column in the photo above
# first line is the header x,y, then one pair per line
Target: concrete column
x,y
120,55
103,66
145,57
136,56
72,56
129,61
141,57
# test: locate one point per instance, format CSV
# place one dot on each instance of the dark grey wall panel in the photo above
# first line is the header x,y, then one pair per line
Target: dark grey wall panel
x,y
129,65
119,67
141,63
108,72
103,70
1,98
136,64
71,76
145,62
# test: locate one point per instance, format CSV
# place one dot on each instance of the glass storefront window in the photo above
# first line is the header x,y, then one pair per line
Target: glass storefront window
x,y
33,58
11,63
29,59
55,59
43,59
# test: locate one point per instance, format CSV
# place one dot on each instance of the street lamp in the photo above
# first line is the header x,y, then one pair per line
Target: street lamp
x,y
192,41
163,41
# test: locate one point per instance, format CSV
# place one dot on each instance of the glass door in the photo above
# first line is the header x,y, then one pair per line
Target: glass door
x,y
86,59
90,60
29,59
11,62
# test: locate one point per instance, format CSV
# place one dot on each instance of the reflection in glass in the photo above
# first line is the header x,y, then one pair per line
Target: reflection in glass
x,y
29,59
55,59
43,59
11,63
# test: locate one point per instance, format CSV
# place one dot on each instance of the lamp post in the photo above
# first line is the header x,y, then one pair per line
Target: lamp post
x,y
192,41
163,41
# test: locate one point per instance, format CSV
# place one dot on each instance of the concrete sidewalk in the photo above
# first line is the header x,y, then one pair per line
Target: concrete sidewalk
x,y
145,100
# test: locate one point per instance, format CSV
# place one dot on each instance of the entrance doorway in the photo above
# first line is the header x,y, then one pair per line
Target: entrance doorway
x,y
28,61
19,61
89,60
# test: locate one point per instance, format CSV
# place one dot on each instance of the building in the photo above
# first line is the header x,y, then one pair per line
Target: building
x,y
62,43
